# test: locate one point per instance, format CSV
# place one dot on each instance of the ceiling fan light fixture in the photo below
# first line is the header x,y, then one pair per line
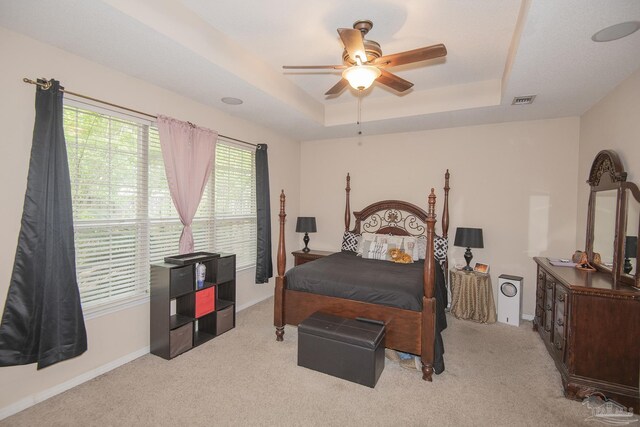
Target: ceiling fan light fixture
x,y
360,77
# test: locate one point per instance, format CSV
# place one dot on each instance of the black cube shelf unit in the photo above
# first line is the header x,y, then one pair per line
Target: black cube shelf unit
x,y
199,314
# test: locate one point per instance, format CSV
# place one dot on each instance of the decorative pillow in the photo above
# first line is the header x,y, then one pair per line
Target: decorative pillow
x,y
374,250
422,246
365,237
350,241
410,246
440,247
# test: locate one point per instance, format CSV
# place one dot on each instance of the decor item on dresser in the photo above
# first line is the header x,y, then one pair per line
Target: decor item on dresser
x,y
409,298
590,321
630,251
306,225
468,238
584,264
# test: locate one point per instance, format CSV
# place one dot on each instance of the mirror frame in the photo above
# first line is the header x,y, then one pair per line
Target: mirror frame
x,y
608,163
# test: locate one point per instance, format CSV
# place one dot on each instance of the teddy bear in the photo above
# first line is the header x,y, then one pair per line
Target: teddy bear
x,y
398,255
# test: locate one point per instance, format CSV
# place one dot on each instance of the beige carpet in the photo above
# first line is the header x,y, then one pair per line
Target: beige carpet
x,y
495,375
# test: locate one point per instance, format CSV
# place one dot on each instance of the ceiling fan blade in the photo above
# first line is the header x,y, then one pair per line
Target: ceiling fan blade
x,y
313,67
338,87
416,55
352,40
394,82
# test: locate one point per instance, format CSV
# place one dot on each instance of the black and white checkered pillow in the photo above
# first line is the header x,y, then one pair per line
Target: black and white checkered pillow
x,y
350,241
440,248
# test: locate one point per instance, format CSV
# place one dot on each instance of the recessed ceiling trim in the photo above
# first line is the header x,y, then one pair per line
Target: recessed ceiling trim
x,y
231,100
617,31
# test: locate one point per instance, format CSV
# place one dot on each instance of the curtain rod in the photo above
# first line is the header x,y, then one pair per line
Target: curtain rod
x,y
47,85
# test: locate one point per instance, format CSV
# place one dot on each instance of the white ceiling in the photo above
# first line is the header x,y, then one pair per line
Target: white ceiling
x,y
497,49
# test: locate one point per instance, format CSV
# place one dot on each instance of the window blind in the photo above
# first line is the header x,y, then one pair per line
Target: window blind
x,y
107,157
235,203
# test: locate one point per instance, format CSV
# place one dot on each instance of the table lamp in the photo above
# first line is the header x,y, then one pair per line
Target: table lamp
x,y
306,225
630,251
468,238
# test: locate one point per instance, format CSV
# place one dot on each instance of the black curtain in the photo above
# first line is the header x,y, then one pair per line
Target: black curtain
x,y
264,264
42,320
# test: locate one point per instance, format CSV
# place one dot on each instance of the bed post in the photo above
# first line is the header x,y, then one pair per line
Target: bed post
x,y
428,300
445,220
445,209
347,208
278,312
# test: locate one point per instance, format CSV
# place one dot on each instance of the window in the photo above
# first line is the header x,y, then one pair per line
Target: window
x,y
124,218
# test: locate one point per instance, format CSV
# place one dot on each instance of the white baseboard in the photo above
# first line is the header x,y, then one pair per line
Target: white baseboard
x,y
527,316
252,302
41,396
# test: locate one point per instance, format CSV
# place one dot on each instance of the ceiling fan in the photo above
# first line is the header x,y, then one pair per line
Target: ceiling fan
x,y
364,63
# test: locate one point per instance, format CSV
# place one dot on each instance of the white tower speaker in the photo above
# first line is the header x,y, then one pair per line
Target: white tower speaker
x,y
509,299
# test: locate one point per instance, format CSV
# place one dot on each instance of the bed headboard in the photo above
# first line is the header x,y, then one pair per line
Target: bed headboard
x,y
391,217
394,216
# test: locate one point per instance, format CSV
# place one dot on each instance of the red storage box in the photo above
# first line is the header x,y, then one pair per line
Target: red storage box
x,y
205,302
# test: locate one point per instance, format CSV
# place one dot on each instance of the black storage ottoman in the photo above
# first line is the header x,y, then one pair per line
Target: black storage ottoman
x,y
345,348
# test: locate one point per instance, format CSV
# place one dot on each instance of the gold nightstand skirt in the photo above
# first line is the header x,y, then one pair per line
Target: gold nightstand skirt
x,y
472,296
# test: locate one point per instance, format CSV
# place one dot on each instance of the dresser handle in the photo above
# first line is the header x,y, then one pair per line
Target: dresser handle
x,y
561,297
560,322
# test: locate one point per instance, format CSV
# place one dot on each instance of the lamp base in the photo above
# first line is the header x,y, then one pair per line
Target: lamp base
x,y
468,256
306,239
627,266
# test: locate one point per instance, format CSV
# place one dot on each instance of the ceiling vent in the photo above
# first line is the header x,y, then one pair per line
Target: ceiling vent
x,y
523,100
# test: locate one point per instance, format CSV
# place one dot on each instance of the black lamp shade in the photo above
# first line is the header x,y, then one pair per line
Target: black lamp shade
x,y
306,224
630,246
469,237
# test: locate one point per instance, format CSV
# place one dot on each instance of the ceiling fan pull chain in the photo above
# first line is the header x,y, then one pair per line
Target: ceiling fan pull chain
x,y
359,112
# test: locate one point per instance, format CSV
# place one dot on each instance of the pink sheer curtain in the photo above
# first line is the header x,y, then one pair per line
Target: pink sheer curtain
x,y
188,152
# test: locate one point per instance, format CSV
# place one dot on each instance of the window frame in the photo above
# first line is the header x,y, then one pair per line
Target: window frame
x,y
141,296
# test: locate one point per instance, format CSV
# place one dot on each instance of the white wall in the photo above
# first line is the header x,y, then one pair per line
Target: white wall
x,y
112,338
613,123
514,180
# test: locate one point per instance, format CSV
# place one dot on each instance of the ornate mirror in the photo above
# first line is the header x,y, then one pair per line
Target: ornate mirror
x,y
629,250
613,219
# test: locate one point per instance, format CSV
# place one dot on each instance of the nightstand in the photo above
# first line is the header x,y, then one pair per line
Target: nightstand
x,y
472,296
301,257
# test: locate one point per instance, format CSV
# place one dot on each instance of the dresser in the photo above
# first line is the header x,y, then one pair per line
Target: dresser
x,y
591,329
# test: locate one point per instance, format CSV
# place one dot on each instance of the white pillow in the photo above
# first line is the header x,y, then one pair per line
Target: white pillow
x,y
422,246
365,237
375,250
410,246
